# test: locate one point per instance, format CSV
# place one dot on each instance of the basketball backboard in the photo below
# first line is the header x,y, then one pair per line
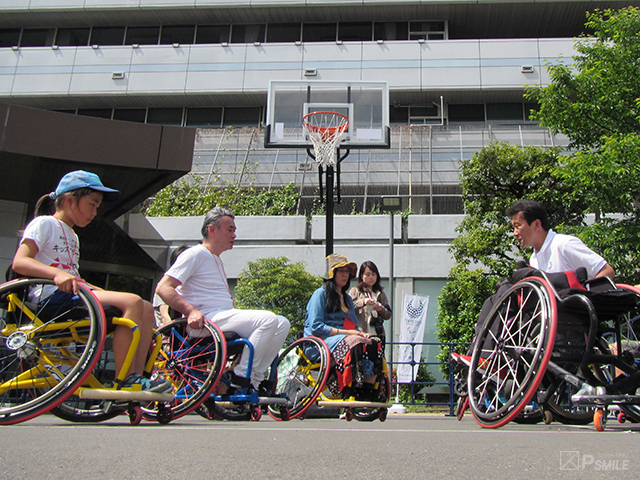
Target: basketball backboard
x,y
365,104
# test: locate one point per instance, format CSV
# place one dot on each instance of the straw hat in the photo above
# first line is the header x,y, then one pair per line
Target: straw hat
x,y
336,260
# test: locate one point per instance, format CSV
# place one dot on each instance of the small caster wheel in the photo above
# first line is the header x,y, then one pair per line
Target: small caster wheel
x,y
600,419
285,415
165,415
256,414
382,415
547,417
622,417
349,415
135,414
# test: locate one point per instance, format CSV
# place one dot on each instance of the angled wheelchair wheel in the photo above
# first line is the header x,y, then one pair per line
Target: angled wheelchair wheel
x,y
303,369
511,352
84,410
49,343
193,365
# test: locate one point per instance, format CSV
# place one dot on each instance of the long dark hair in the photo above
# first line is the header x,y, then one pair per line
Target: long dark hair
x,y
371,266
333,303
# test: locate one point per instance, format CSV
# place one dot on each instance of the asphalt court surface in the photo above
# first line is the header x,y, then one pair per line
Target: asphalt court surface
x,y
406,446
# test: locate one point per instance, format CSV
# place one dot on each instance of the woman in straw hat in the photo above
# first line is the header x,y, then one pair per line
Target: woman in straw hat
x,y
356,356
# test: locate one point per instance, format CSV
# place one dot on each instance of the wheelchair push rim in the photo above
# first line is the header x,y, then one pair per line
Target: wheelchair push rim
x,y
520,332
47,350
302,372
192,364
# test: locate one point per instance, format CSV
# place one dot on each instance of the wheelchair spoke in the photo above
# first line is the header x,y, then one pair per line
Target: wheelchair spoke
x,y
508,353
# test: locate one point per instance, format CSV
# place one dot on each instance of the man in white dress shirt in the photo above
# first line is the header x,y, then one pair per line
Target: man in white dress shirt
x,y
553,252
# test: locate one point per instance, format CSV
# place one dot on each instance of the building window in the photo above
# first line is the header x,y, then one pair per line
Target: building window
x,y
248,33
37,37
9,37
398,115
73,37
283,32
213,34
165,116
242,116
319,32
107,36
138,115
424,115
391,31
466,114
204,117
505,113
142,36
95,112
355,31
427,30
183,34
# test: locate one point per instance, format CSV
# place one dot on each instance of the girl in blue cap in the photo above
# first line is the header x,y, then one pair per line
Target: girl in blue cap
x,y
50,249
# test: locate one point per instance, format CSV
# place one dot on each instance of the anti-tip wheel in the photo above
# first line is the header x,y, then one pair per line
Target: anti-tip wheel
x,y
135,414
600,419
164,416
256,414
382,416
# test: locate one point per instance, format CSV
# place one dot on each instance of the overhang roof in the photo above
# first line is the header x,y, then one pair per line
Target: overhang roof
x,y
38,147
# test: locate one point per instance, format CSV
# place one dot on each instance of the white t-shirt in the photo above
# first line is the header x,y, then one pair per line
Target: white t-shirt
x,y
204,282
58,246
561,253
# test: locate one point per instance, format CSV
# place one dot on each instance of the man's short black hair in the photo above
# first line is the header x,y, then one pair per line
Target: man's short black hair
x,y
531,211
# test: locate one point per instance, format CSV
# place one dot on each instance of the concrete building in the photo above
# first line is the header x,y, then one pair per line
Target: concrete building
x,y
456,73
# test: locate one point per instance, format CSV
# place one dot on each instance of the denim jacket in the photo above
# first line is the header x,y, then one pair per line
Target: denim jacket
x,y
319,323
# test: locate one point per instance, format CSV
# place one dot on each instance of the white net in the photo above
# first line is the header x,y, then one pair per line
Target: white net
x,y
325,129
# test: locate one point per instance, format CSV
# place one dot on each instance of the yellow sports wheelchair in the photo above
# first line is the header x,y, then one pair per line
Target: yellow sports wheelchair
x,y
53,358
303,371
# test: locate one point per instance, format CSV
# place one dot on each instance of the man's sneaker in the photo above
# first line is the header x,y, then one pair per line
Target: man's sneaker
x,y
159,385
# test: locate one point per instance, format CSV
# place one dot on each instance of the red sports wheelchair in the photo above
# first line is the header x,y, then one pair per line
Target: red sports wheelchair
x,y
561,344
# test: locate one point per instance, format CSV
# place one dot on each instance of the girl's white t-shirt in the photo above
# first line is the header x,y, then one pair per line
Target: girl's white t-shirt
x,y
57,243
58,247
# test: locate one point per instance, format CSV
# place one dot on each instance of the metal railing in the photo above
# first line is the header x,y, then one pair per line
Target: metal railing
x,y
417,385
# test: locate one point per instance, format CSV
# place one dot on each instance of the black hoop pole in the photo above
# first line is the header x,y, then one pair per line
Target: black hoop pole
x,y
329,211
332,176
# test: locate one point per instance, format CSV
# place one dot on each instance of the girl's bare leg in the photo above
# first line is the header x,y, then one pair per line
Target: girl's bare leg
x,y
140,312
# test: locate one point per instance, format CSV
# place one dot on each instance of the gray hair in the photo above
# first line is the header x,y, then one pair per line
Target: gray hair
x,y
213,217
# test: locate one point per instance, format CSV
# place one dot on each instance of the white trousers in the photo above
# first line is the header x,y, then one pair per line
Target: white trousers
x,y
265,330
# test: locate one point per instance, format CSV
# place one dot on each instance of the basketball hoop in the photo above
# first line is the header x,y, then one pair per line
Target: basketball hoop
x,y
326,129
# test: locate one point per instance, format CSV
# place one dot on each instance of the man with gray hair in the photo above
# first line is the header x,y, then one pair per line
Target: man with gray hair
x,y
196,286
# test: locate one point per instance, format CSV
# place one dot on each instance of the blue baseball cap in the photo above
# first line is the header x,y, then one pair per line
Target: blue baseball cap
x,y
81,179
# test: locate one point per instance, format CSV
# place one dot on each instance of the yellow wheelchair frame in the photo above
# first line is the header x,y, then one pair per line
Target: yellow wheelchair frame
x,y
50,358
303,372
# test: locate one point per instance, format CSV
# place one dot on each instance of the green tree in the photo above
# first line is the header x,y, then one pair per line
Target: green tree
x,y
598,95
491,181
277,285
596,103
458,308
